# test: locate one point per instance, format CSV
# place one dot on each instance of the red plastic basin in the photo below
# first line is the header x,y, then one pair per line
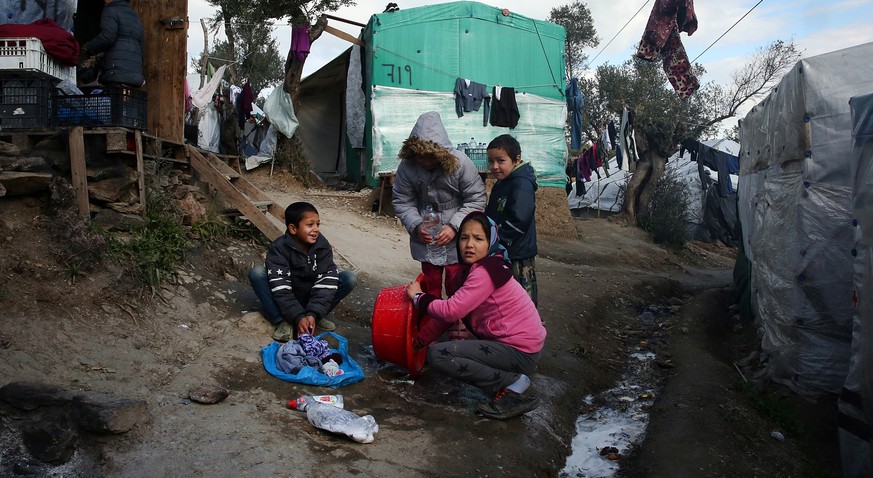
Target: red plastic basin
x,y
394,326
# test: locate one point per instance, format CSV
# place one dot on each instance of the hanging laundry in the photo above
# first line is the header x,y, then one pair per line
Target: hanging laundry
x,y
583,173
661,42
626,140
244,103
300,41
610,128
504,109
605,142
470,96
575,103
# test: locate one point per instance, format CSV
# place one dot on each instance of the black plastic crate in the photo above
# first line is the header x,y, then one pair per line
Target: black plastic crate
x,y
111,106
24,101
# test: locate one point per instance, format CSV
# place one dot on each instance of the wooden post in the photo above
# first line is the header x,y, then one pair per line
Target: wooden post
x,y
78,170
140,169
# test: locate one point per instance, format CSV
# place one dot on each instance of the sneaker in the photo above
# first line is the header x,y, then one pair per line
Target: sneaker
x,y
284,332
325,324
507,404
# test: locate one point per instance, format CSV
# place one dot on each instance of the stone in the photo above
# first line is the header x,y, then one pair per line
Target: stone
x,y
51,439
112,189
9,149
208,394
24,164
116,221
107,414
24,183
192,210
32,395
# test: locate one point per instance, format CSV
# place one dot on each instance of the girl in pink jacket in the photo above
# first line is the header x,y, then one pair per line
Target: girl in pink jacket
x,y
508,333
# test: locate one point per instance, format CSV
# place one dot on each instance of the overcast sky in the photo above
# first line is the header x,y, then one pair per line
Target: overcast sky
x,y
817,27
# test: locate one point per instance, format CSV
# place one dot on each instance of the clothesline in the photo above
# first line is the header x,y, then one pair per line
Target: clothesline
x,y
452,75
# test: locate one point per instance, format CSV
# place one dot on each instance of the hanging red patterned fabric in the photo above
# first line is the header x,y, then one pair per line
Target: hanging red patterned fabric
x,y
661,42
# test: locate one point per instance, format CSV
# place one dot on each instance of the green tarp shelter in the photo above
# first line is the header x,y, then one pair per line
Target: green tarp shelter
x,y
357,110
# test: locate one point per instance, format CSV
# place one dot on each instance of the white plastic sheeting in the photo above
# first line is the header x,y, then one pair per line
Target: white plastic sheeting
x,y
606,194
540,130
795,205
26,12
856,400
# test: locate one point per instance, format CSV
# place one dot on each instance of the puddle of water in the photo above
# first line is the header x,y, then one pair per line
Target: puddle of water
x,y
616,418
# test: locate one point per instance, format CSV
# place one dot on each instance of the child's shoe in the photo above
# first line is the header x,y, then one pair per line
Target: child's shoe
x,y
325,325
284,332
507,404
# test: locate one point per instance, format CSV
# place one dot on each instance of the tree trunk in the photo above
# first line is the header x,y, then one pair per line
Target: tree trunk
x,y
292,148
641,186
231,46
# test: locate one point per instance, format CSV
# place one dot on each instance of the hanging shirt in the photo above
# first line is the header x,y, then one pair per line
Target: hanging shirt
x,y
470,96
300,41
504,111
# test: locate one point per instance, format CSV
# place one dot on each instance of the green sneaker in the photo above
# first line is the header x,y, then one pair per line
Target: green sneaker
x,y
284,332
325,325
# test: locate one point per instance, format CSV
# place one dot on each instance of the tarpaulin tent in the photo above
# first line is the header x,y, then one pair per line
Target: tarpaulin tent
x,y
856,398
806,216
795,205
357,110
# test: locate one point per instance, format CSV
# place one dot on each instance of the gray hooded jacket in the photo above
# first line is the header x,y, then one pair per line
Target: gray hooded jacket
x,y
453,187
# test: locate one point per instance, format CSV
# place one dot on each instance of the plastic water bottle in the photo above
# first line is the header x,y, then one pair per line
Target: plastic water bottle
x,y
431,222
336,420
300,403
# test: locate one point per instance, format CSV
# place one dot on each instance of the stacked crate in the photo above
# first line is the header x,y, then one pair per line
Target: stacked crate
x,y
27,77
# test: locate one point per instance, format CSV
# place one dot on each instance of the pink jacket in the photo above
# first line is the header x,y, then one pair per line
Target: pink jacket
x,y
505,315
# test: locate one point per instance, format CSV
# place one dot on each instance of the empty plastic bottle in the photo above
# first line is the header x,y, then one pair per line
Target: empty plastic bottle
x,y
431,222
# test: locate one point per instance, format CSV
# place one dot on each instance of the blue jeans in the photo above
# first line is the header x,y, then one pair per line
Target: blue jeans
x,y
261,286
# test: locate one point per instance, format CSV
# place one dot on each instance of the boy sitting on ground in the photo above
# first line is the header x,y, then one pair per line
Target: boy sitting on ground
x,y
300,284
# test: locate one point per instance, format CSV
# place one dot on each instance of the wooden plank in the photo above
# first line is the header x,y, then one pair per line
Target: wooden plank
x,y
140,169
342,35
164,66
233,196
247,188
78,170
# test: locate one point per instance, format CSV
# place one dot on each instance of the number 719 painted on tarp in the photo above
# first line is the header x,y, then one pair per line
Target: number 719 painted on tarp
x,y
399,78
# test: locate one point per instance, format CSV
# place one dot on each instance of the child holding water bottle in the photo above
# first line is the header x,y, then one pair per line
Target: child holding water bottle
x,y
433,173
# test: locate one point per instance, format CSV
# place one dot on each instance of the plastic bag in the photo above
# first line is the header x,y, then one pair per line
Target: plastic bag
x,y
352,372
337,420
280,111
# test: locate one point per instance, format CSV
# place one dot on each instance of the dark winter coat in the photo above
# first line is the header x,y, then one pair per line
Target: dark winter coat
x,y
121,37
302,283
512,206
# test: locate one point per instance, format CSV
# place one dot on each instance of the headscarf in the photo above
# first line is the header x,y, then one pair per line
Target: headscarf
x,y
496,262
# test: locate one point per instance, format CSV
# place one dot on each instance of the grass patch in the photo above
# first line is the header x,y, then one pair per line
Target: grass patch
x,y
155,249
668,213
214,228
780,413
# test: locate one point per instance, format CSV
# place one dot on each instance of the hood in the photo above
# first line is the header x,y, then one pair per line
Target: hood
x,y
429,136
525,171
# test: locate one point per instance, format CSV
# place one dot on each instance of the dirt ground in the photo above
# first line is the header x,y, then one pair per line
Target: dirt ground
x,y
596,277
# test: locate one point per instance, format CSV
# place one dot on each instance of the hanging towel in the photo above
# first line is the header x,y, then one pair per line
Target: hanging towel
x,y
504,110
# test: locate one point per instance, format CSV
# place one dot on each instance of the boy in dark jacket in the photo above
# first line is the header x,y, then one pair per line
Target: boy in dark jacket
x,y
300,284
512,206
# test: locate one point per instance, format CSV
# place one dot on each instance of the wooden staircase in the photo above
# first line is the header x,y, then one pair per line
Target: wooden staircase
x,y
240,194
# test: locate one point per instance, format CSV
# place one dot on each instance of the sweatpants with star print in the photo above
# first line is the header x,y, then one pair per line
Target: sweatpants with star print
x,y
489,365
